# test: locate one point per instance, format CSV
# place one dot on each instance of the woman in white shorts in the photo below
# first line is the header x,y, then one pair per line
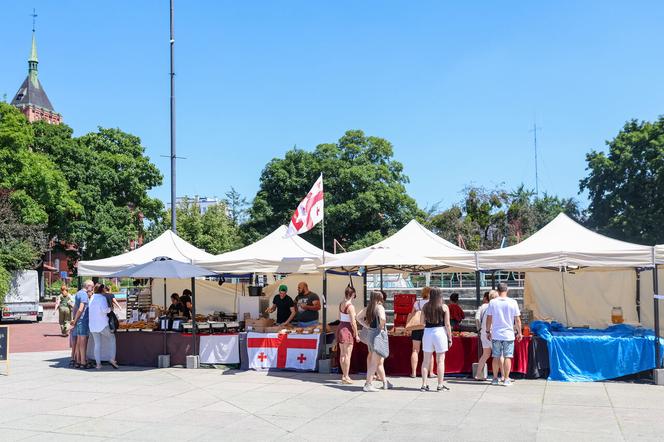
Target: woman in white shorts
x,y
437,337
480,319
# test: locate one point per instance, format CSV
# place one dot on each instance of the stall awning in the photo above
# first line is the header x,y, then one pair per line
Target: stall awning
x,y
275,253
168,244
563,243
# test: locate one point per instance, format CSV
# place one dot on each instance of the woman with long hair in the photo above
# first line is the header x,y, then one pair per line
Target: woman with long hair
x,y
480,319
416,335
374,318
437,337
347,333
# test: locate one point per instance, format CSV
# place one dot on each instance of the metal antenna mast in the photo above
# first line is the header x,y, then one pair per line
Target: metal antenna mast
x,y
534,131
173,157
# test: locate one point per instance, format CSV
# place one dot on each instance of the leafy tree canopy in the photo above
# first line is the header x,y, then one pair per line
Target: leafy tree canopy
x,y
626,184
213,231
365,193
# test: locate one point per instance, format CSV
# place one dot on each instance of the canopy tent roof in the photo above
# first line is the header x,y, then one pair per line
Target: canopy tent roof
x,y
659,254
382,257
168,244
163,267
275,253
565,243
415,238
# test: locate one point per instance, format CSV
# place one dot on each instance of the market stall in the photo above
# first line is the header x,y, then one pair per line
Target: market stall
x,y
581,279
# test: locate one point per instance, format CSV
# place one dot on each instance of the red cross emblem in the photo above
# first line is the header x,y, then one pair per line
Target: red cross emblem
x,y
262,356
301,358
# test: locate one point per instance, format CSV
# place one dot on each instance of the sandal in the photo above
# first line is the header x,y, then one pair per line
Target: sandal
x,y
424,388
442,387
114,365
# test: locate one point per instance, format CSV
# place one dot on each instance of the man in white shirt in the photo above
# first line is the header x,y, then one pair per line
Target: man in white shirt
x,y
502,318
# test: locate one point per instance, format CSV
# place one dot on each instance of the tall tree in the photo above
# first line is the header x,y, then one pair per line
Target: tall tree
x,y
111,176
626,184
365,193
236,205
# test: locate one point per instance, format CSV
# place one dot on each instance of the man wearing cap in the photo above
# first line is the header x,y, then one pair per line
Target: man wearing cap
x,y
284,306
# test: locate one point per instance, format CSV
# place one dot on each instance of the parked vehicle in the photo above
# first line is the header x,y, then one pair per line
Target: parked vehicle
x,y
22,300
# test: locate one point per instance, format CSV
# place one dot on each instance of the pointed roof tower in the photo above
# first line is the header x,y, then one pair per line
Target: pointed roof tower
x,y
31,97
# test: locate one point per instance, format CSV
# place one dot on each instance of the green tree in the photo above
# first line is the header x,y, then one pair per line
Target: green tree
x,y
236,205
626,184
213,231
40,191
365,193
21,244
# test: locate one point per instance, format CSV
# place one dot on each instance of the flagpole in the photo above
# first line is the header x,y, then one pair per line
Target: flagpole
x,y
324,331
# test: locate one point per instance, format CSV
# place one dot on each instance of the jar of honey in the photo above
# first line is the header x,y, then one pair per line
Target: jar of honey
x,y
617,315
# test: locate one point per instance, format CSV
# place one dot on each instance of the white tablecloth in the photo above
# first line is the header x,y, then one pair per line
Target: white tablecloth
x,y
219,349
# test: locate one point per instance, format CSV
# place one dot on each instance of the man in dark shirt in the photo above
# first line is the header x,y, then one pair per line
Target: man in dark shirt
x,y
308,305
284,306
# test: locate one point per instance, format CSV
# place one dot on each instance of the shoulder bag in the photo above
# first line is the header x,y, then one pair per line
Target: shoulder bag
x,y
415,320
113,322
381,344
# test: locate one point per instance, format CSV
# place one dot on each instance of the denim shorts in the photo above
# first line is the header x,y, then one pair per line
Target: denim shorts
x,y
82,328
502,348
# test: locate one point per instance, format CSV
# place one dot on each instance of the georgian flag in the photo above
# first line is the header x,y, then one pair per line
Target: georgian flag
x,y
309,212
284,351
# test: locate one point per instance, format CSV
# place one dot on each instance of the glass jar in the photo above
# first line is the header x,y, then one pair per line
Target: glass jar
x,y
617,315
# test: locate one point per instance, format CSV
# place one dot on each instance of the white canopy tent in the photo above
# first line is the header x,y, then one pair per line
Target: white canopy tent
x,y
275,253
572,294
563,243
380,257
415,238
168,244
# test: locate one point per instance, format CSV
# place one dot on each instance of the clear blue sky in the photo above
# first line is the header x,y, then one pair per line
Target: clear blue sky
x,y
455,87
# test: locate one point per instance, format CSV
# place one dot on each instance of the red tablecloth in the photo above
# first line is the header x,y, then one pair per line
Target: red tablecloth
x,y
459,359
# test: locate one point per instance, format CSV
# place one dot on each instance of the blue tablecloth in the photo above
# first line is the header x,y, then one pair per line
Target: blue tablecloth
x,y
577,355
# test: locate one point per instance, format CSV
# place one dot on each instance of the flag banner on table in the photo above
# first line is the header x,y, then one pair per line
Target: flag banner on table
x,y
309,212
285,351
219,349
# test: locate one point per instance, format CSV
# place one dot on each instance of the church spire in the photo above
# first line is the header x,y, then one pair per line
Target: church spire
x,y
33,61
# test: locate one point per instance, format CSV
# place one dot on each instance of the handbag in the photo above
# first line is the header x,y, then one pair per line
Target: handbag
x,y
381,344
365,335
415,321
113,322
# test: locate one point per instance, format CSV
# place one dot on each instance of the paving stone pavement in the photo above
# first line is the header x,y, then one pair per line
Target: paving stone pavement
x,y
42,399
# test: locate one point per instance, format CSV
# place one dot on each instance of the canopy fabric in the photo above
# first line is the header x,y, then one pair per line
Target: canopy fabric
x,y
565,243
275,253
415,238
375,257
163,268
659,254
167,244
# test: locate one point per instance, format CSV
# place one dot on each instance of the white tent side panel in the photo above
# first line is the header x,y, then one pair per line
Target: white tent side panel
x,y
589,296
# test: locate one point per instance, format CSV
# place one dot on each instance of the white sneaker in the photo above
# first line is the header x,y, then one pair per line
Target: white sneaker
x,y
369,388
507,383
387,385
495,381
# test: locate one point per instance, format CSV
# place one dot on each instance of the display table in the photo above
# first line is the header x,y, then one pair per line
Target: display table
x,y
459,359
142,348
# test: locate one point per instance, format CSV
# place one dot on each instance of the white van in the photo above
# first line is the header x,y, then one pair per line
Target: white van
x,y
22,300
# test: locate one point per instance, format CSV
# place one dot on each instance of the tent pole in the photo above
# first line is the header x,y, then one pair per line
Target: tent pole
x,y
381,279
493,280
364,286
655,284
193,312
324,329
164,310
638,294
478,299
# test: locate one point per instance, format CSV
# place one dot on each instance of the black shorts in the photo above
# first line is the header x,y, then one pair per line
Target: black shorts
x,y
416,335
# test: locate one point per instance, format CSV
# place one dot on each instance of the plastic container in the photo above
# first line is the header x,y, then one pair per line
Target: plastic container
x,y
617,315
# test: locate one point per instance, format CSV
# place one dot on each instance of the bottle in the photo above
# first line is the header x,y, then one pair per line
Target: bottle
x,y
617,315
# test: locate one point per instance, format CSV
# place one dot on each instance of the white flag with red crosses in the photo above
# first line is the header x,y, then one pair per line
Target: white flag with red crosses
x,y
309,212
284,351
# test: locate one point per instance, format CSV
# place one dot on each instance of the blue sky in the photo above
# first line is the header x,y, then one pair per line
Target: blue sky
x,y
455,86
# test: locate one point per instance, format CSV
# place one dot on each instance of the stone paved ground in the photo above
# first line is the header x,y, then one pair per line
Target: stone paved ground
x,y
44,400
